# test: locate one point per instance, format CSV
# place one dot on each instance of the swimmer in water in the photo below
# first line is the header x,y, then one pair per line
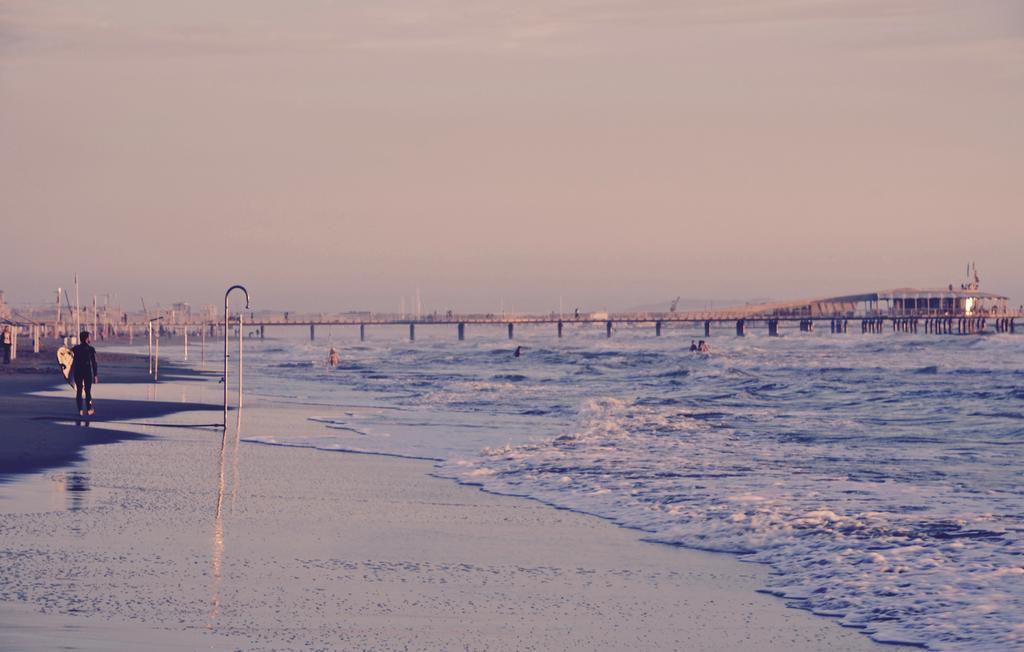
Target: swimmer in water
x,y
332,357
703,347
518,352
693,346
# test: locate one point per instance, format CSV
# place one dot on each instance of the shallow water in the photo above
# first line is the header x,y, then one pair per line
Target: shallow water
x,y
879,475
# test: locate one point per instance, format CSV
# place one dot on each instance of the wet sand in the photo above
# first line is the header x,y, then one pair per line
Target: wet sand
x,y
34,437
171,535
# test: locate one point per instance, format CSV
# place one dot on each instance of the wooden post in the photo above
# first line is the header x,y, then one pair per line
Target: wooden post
x,y
608,328
559,328
707,329
362,332
36,328
510,330
312,332
657,329
412,331
462,331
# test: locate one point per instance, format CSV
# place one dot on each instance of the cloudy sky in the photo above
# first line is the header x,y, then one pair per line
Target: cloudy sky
x,y
341,154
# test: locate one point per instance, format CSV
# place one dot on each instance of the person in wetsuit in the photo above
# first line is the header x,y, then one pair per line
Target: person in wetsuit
x,y
85,371
518,352
693,346
7,341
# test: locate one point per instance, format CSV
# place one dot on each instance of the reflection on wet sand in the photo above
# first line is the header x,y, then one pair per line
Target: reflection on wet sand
x,y
217,557
74,485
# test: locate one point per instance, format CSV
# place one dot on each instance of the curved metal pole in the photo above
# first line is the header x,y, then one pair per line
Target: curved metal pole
x,y
226,354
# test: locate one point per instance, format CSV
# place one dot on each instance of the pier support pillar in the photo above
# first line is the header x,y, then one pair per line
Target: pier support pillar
x,y
741,328
1013,326
312,332
559,328
608,328
462,332
362,332
412,332
773,327
657,329
707,329
510,330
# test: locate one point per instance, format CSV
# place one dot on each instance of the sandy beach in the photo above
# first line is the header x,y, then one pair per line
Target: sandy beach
x,y
164,536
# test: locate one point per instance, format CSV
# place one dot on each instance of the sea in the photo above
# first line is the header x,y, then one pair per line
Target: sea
x,y
879,476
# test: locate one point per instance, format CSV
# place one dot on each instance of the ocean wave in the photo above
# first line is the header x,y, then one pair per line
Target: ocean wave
x,y
878,475
890,558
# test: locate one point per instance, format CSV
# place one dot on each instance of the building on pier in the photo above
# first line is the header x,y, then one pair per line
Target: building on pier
x,y
967,300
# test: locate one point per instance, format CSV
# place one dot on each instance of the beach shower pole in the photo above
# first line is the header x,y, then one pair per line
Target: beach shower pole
x,y
241,314
78,312
227,318
156,360
153,360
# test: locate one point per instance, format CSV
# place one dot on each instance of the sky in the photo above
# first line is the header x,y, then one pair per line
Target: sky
x,y
336,155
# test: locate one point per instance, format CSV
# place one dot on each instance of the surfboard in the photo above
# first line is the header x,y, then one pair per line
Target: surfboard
x,y
64,358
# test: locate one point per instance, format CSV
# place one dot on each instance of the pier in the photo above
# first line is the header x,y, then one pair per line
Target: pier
x,y
949,311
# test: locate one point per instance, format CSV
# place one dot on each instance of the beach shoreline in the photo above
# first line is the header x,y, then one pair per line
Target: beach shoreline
x,y
167,531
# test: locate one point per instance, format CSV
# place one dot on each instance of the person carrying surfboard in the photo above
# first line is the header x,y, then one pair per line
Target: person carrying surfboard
x,y
85,371
6,341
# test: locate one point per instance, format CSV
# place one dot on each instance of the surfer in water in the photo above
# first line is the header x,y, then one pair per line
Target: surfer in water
x,y
518,352
85,371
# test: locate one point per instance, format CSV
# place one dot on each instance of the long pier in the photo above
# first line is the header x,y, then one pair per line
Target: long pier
x,y
713,323
947,311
